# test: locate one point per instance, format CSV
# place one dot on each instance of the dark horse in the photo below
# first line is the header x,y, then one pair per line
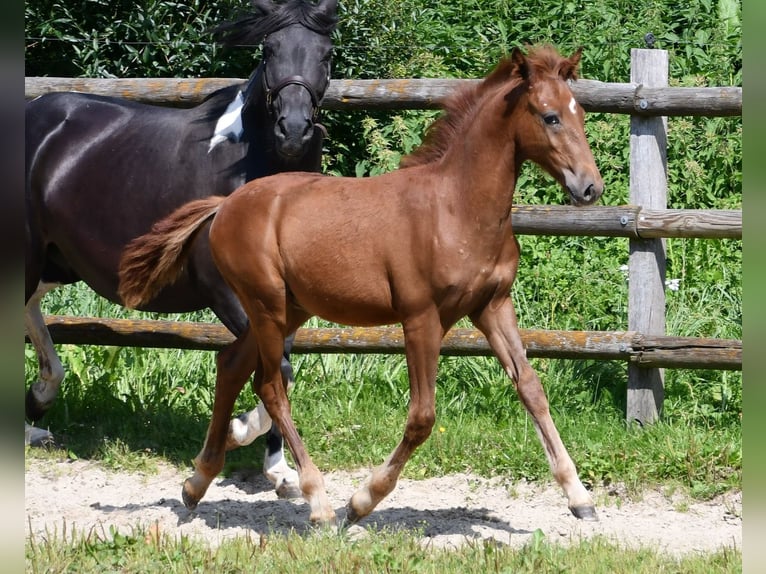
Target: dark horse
x,y
423,246
100,171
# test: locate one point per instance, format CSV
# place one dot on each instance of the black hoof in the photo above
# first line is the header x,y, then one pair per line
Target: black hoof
x,y
189,502
587,513
38,437
289,491
351,516
33,409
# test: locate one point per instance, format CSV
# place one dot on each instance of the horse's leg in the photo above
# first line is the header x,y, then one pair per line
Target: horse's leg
x,y
248,426
422,337
234,365
273,393
245,428
41,394
498,323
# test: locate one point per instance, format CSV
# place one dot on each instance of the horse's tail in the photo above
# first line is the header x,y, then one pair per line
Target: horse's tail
x,y
155,260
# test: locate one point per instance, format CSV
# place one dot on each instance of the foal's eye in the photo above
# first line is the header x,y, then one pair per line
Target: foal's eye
x,y
551,119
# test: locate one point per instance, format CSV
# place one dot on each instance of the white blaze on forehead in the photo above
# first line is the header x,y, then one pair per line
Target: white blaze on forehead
x,y
572,105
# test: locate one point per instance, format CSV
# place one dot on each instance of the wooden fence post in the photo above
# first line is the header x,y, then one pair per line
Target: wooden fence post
x,y
648,189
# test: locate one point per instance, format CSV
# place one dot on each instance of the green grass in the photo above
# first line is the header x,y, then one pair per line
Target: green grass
x,y
327,551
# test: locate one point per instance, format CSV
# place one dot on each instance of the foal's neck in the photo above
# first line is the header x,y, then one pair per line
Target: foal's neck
x,y
483,163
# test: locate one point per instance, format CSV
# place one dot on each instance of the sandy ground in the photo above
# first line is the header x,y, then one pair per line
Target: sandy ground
x,y
64,495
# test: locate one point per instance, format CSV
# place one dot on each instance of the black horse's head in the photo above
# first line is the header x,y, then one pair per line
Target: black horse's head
x,y
295,67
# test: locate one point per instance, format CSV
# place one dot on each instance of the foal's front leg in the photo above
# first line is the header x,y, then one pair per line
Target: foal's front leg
x,y
498,323
422,338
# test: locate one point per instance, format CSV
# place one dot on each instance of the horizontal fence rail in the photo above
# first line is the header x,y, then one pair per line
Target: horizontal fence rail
x,y
413,93
641,350
626,221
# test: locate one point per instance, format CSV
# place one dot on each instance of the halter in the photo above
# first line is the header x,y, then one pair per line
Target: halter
x,y
296,80
272,93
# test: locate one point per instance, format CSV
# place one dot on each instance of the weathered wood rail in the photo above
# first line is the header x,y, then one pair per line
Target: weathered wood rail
x,y
641,350
413,93
631,221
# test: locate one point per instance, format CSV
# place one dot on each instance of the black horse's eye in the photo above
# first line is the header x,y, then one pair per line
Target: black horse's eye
x,y
551,119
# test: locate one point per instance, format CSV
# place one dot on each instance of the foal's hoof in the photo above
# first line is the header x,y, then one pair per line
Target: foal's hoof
x,y
324,520
190,502
587,513
352,516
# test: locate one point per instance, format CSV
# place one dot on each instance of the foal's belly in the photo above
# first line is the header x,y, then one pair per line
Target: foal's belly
x,y
347,302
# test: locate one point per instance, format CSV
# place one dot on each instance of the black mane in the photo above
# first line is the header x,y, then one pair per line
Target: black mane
x,y
250,29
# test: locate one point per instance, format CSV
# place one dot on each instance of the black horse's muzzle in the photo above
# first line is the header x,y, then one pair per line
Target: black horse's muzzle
x,y
293,127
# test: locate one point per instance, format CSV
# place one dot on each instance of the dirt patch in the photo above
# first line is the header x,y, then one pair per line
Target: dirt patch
x,y
62,496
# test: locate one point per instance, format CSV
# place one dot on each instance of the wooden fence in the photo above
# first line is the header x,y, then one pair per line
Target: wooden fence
x,y
643,345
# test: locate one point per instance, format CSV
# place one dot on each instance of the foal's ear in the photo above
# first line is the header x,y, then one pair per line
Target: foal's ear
x,y
520,65
571,65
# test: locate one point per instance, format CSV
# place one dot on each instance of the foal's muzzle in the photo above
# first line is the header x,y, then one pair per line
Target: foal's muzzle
x,y
584,188
586,196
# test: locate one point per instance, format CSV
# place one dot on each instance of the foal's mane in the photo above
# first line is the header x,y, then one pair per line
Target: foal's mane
x,y
460,106
252,28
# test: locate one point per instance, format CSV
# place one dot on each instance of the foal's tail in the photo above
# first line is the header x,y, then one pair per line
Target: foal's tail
x,y
155,260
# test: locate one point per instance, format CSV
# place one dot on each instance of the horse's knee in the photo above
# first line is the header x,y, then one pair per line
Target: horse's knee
x,y
248,426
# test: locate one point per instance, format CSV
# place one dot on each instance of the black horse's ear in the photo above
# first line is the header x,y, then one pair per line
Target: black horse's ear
x,y
329,6
571,65
264,6
520,63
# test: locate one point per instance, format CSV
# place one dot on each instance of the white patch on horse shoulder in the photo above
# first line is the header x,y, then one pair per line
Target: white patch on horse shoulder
x,y
229,125
572,105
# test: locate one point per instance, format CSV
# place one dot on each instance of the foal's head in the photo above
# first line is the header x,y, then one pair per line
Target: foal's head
x,y
549,122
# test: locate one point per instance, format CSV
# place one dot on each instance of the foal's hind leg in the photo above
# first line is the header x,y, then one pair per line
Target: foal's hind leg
x,y
234,365
245,428
41,394
248,426
498,323
274,395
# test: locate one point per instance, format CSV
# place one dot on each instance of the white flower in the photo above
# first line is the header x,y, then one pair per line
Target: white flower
x,y
672,284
